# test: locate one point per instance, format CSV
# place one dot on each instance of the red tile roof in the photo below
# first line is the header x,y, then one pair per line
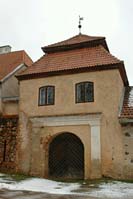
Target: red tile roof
x,y
76,39
72,59
78,54
74,42
127,109
10,61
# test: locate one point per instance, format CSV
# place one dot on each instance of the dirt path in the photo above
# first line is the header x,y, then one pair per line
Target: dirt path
x,y
7,194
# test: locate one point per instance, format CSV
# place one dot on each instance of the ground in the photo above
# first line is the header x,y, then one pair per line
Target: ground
x,y
6,194
21,187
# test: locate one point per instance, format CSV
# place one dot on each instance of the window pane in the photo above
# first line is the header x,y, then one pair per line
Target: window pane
x,y
80,92
50,95
88,92
42,99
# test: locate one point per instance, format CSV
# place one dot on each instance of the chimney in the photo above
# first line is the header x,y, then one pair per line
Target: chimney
x,y
5,49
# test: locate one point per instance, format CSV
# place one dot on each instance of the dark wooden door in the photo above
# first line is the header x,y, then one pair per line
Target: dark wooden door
x,y
66,157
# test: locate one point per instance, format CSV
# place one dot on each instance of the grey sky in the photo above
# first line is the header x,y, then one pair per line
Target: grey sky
x,y
31,24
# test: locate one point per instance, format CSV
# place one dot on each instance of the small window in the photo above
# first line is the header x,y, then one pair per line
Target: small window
x,y
84,92
46,95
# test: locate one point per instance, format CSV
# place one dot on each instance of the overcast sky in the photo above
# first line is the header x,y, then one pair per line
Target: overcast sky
x,y
31,24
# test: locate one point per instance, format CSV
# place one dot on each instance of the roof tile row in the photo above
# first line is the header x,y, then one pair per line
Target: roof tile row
x,y
72,59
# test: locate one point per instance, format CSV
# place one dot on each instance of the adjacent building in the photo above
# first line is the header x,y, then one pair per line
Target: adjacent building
x,y
11,62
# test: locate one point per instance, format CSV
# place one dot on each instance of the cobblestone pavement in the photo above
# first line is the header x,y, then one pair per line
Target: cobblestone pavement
x,y
7,194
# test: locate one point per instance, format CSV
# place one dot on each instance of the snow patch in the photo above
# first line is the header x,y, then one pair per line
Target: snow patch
x,y
114,190
41,185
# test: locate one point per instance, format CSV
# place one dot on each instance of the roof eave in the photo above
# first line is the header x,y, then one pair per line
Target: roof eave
x,y
70,71
92,43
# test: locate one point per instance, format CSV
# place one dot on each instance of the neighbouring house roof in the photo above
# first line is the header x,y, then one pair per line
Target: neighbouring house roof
x,y
79,41
62,58
10,61
127,108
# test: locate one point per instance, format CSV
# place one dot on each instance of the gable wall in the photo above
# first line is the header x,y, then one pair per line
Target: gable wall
x,y
10,88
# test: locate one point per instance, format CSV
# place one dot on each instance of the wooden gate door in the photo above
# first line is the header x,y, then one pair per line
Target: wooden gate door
x,y
66,157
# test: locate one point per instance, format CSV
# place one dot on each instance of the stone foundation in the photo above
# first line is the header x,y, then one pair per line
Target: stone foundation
x,y
8,135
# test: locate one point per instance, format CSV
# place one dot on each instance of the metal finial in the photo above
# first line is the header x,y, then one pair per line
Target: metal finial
x,y
80,26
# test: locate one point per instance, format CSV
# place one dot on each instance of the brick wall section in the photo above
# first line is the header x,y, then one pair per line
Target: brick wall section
x,y
8,136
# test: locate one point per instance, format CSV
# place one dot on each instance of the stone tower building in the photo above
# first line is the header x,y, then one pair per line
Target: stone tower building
x,y
75,113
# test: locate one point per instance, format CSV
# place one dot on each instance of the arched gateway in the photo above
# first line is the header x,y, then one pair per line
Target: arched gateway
x,y
66,157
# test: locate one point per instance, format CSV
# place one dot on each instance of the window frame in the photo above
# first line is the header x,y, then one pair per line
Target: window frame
x,y
76,98
46,101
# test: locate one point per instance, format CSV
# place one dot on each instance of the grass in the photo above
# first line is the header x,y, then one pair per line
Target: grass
x,y
19,177
126,180
88,182
92,181
14,177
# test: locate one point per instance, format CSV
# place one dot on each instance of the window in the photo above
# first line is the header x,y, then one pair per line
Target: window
x,y
84,92
46,95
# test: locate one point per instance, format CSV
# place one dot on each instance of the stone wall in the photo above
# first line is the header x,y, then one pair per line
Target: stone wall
x,y
128,150
8,135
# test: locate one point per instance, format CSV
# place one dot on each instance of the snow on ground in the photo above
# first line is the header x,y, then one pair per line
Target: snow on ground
x,y
113,189
40,185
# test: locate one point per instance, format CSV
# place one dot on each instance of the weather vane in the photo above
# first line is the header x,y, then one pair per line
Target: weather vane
x,y
80,26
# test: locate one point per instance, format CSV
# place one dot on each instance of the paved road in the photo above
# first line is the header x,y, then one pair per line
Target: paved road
x,y
6,194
